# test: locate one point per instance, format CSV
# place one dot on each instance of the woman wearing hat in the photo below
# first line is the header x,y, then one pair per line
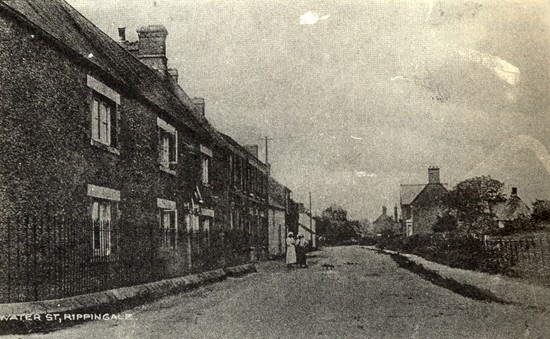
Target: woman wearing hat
x,y
290,250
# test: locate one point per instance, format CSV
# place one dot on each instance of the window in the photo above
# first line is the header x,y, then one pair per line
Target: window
x,y
168,227
232,173
205,228
101,227
104,213
206,156
105,118
168,223
205,169
168,146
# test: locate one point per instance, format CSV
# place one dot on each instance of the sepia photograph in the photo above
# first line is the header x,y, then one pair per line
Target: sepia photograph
x,y
275,169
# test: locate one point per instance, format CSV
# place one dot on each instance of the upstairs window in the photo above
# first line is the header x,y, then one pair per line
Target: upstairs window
x,y
205,170
206,156
103,122
105,118
168,145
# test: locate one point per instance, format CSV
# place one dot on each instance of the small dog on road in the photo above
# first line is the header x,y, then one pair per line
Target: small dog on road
x,y
327,266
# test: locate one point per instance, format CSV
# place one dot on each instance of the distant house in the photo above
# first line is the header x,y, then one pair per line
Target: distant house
x,y
421,204
279,204
307,226
511,209
385,223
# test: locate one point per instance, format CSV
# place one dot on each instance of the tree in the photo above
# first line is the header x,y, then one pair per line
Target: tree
x,y
445,223
335,212
365,227
473,200
335,226
541,211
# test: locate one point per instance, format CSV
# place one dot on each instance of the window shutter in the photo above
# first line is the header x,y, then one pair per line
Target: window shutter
x,y
171,148
95,119
175,147
115,127
160,145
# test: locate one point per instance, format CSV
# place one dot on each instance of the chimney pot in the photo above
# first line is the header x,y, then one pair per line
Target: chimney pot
x,y
200,105
174,74
433,175
384,210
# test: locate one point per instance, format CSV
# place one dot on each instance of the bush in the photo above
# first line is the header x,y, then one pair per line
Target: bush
x,y
454,250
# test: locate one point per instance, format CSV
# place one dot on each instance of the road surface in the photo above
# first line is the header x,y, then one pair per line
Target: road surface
x,y
366,295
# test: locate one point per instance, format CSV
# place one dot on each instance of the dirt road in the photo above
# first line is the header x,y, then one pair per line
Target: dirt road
x,y
366,295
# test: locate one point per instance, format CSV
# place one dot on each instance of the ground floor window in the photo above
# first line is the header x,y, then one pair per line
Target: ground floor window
x,y
168,226
102,211
105,216
205,228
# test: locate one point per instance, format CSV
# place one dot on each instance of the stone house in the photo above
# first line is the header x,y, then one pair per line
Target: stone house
x,y
279,204
511,209
247,206
307,225
421,204
385,223
111,175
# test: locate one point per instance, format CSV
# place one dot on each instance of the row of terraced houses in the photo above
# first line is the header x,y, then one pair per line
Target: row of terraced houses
x,y
110,173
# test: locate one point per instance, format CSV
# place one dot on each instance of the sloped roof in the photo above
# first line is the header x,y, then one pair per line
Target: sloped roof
x,y
242,151
277,193
75,33
511,209
383,218
408,193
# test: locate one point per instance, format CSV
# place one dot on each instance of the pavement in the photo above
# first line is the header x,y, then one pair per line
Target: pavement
x,y
508,290
25,317
366,295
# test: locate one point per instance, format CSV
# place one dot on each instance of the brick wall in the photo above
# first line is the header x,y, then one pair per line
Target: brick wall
x,y
47,159
427,207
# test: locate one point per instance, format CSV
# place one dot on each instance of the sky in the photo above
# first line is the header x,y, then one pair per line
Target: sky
x,y
358,97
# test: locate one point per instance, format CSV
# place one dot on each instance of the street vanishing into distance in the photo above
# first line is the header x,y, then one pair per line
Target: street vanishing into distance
x,y
365,295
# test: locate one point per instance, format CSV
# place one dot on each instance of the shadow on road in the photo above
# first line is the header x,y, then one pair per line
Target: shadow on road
x,y
464,290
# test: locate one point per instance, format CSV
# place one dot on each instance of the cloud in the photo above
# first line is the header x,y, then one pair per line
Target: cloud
x,y
311,18
363,174
502,69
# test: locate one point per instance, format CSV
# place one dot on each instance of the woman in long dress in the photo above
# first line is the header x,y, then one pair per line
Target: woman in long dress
x,y
290,250
301,251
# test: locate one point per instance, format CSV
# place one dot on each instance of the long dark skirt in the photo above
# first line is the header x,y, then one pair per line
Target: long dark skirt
x,y
301,256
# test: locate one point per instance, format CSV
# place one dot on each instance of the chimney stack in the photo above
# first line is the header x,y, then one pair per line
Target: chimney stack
x,y
200,106
122,34
384,210
514,192
174,74
395,216
152,47
252,149
433,175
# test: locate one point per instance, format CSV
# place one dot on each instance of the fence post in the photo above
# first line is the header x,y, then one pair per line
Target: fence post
x,y
8,247
541,251
36,275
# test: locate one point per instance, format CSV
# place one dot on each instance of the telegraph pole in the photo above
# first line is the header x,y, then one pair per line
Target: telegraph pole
x,y
310,221
310,213
267,187
266,150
